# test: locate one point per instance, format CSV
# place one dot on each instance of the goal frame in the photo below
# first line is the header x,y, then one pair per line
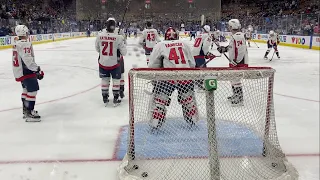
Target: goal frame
x,y
269,110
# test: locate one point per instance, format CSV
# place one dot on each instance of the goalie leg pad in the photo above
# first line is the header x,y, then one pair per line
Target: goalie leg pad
x,y
161,98
188,103
237,92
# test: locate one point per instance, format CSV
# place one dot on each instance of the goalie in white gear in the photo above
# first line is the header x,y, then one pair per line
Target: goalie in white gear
x,y
149,39
27,72
238,55
272,42
172,53
108,43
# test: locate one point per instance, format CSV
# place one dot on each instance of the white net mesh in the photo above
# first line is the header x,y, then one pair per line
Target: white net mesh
x,y
180,131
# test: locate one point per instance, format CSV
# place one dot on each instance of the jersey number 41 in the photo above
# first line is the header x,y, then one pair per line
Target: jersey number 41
x,y
173,56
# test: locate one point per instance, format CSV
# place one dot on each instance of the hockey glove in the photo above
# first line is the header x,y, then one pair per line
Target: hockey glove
x,y
222,49
210,56
39,73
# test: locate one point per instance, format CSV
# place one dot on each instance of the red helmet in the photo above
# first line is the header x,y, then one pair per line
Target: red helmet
x,y
171,34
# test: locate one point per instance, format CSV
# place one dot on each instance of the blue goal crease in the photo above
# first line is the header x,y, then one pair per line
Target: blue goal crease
x,y
177,140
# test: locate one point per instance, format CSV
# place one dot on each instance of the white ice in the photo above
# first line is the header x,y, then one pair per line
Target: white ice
x,y
77,135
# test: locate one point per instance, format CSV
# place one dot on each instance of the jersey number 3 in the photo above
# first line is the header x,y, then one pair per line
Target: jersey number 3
x,y
15,59
105,48
173,56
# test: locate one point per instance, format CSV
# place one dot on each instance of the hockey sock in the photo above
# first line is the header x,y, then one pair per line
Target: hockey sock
x,y
267,52
31,100
23,98
116,87
105,83
122,83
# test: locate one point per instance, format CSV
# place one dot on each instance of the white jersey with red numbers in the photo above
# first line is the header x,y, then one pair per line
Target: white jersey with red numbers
x,y
150,37
171,54
273,39
238,48
107,45
23,62
201,44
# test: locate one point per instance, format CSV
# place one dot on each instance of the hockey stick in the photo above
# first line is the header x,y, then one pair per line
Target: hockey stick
x,y
208,61
124,15
256,44
272,55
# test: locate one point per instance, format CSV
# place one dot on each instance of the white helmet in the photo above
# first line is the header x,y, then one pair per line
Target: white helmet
x,y
271,33
234,24
21,30
206,28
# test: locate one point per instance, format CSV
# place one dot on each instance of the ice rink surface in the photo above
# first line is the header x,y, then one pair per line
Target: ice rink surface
x,y
76,139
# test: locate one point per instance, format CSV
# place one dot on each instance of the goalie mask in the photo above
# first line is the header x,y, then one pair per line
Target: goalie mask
x,y
171,34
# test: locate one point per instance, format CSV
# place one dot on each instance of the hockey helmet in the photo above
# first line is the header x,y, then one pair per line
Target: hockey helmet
x,y
21,30
171,34
234,24
149,24
206,28
111,25
271,33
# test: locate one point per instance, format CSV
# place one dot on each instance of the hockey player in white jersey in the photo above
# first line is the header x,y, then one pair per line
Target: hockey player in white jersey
x,y
27,72
149,39
248,36
201,46
272,42
172,53
238,55
107,45
121,61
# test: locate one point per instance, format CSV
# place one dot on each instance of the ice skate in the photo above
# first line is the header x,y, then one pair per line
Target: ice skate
x,y
105,98
24,109
265,58
122,94
116,101
236,101
32,116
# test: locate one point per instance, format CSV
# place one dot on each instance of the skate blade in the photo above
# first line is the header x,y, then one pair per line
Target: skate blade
x,y
116,104
237,105
33,120
106,104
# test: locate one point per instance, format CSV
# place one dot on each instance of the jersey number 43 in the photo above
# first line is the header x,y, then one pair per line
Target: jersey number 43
x,y
151,37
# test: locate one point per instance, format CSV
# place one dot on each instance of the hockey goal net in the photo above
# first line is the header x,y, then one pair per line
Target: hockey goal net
x,y
203,124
